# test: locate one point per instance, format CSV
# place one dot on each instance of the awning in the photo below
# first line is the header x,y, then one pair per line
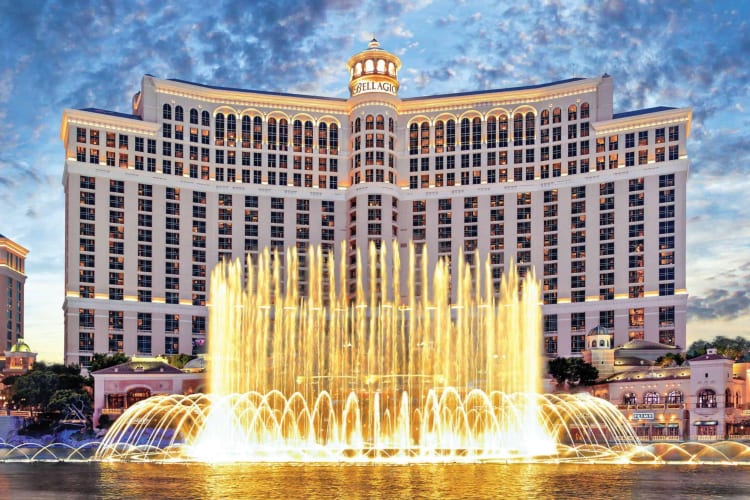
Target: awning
x,y
706,422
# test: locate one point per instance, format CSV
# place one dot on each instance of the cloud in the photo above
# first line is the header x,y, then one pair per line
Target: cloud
x,y
87,53
719,304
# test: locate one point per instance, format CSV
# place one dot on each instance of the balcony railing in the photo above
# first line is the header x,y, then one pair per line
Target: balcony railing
x,y
706,438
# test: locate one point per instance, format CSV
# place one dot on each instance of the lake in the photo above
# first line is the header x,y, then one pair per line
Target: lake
x,y
40,480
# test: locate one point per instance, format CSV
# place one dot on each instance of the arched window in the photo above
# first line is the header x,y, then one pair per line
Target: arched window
x,y
544,120
166,112
206,119
257,132
450,135
219,129
391,126
584,110
138,394
380,122
530,132
283,135
502,131
651,398
491,132
413,139
369,66
572,112
593,343
424,140
231,129
323,138
706,399
675,397
308,137
357,125
369,122
729,403
465,134
178,114
439,137
518,129
272,134
245,131
380,66
333,138
194,116
476,133
297,136
556,115
629,398
358,69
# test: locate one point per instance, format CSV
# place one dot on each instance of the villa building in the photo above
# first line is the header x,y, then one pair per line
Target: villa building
x,y
704,399
547,176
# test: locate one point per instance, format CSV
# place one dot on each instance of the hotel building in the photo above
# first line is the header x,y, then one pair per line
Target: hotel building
x,y
12,279
547,176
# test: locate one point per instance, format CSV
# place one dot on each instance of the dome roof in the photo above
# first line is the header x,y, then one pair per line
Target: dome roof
x,y
600,330
197,364
20,346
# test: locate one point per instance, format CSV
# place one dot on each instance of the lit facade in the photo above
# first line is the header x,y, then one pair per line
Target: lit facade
x,y
705,399
12,280
547,176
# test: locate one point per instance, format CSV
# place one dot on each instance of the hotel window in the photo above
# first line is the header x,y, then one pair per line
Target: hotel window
x,y
144,344
578,321
584,110
643,138
465,128
476,133
674,133
450,135
577,343
550,323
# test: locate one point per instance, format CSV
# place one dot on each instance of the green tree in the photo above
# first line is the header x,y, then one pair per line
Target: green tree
x,y
179,360
582,373
559,368
575,371
735,348
63,398
670,359
46,388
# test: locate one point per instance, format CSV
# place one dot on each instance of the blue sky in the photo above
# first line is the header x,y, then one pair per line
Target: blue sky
x,y
76,54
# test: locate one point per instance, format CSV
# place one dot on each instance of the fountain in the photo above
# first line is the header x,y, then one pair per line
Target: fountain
x,y
368,374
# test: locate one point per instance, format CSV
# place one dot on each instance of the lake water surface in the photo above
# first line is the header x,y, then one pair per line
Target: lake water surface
x,y
442,481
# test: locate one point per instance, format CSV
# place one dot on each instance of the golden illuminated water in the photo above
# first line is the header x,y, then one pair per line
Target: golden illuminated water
x,y
391,371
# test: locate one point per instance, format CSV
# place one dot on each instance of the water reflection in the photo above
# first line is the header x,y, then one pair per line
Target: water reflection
x,y
144,480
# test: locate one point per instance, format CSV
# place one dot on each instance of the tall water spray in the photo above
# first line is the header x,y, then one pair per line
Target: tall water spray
x,y
374,369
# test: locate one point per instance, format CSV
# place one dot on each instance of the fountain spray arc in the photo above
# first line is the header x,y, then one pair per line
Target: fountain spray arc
x,y
360,371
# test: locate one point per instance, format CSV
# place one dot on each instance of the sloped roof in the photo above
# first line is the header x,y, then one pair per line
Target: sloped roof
x,y
644,111
709,357
112,113
643,345
138,366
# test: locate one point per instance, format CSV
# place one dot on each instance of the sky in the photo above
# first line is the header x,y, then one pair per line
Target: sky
x,y
77,54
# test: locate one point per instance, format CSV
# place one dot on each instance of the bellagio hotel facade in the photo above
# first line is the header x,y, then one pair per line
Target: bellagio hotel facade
x,y
546,176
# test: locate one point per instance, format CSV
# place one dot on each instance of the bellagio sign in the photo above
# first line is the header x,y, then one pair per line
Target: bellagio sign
x,y
367,86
